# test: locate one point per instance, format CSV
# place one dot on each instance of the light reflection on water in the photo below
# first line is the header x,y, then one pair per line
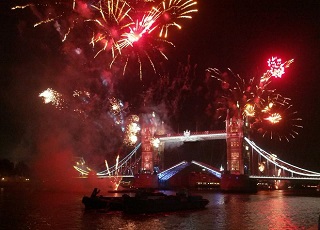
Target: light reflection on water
x,y
29,209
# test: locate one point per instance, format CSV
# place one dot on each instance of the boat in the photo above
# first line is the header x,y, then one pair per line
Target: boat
x,y
146,202
102,202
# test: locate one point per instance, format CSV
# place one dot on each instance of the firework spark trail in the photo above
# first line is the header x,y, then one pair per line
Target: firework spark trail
x,y
175,9
21,7
266,110
67,12
107,166
117,163
117,26
117,181
145,25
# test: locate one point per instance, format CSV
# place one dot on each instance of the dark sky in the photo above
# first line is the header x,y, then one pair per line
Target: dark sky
x,y
239,34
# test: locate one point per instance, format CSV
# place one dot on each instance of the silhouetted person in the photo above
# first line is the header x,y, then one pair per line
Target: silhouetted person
x,y
95,192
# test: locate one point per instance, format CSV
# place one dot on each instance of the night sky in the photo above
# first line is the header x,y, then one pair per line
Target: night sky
x,y
236,34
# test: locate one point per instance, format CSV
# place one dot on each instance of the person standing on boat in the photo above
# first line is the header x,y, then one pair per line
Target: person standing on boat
x,y
95,192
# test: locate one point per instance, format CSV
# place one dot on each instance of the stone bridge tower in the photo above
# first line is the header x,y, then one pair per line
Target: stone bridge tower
x,y
146,178
234,179
147,149
234,130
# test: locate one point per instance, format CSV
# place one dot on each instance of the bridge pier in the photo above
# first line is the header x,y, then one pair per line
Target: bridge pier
x,y
238,183
146,180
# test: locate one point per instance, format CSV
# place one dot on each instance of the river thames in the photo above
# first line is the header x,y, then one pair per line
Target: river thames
x,y
28,208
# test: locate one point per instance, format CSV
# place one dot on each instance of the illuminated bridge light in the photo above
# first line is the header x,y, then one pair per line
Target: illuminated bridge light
x,y
307,174
284,178
170,172
207,167
167,174
194,136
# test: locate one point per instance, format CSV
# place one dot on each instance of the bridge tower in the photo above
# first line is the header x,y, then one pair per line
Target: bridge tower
x,y
147,149
234,179
234,131
146,178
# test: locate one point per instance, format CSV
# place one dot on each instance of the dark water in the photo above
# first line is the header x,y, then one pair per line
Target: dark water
x,y
30,209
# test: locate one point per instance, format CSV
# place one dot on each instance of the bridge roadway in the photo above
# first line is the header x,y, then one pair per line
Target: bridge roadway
x,y
284,178
193,136
252,177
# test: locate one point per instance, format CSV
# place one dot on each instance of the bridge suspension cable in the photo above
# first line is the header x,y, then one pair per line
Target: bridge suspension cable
x,y
280,163
123,161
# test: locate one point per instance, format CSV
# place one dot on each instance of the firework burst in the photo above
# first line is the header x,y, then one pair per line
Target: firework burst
x,y
107,115
55,98
83,104
277,67
132,130
266,111
125,30
279,123
116,110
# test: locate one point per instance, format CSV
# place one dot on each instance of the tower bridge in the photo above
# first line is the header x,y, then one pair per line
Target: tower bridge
x,y
246,161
